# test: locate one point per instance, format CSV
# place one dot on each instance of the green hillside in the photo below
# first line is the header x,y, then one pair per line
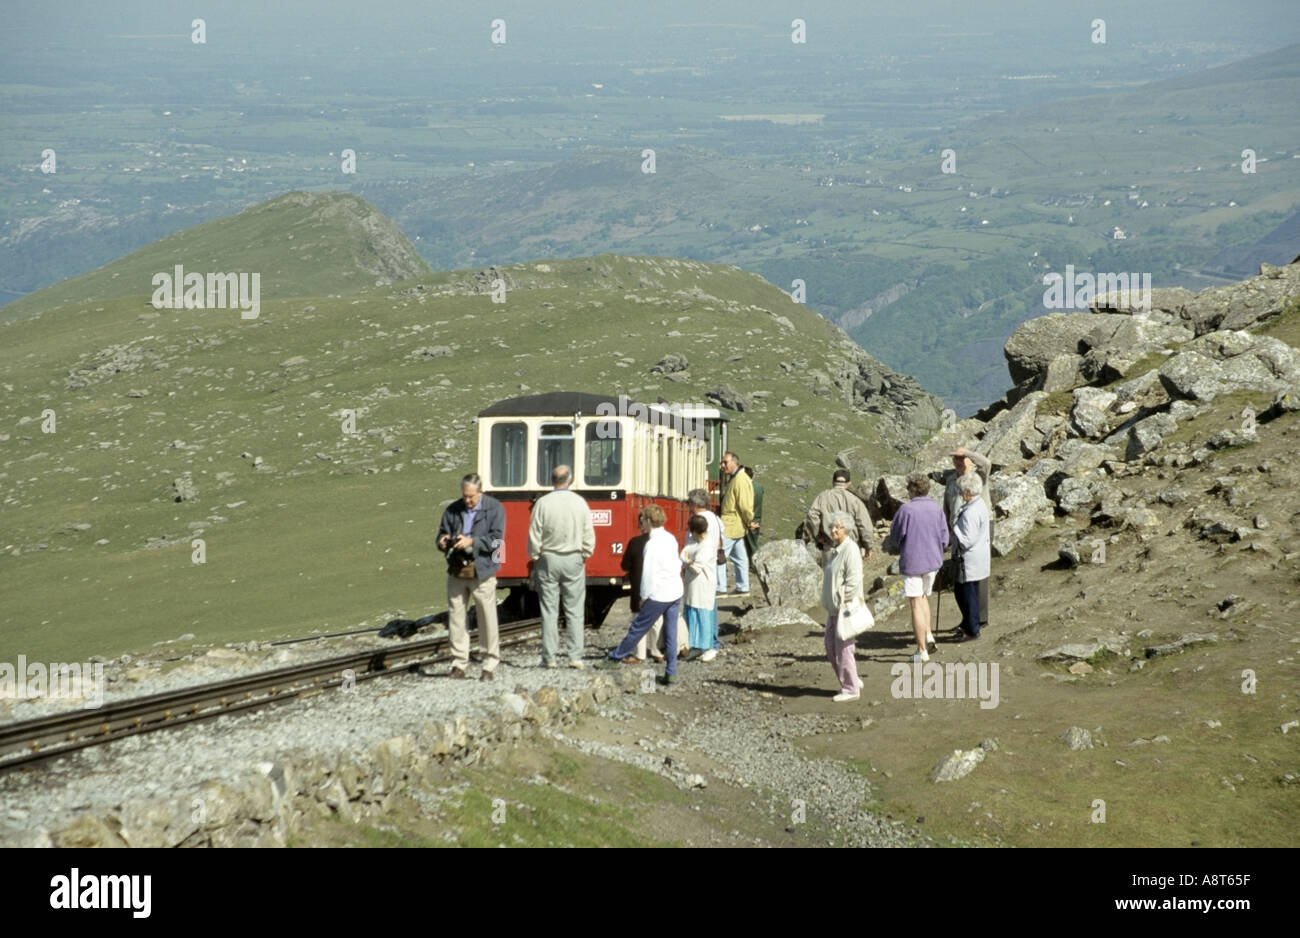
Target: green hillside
x,y
301,243
333,530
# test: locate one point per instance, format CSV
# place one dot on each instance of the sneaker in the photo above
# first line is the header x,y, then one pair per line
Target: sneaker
x,y
929,641
709,655
921,656
577,664
608,662
842,697
549,665
670,678
739,592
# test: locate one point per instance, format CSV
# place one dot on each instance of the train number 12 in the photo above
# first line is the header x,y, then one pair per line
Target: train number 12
x,y
616,547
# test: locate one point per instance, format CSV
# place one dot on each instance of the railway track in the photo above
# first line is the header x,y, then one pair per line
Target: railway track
x,y
27,742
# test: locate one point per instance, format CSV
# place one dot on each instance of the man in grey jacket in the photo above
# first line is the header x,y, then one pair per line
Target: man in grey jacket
x,y
965,461
475,526
561,537
839,498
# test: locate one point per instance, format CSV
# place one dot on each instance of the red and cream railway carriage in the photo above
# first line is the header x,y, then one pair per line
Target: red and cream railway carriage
x,y
625,455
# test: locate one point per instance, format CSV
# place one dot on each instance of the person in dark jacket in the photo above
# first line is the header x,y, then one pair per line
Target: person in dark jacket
x,y
633,556
473,529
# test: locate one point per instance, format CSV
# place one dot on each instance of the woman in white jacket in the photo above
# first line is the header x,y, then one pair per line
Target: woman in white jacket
x,y
841,584
971,539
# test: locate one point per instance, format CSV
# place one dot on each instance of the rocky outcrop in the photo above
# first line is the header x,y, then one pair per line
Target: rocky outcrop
x,y
1244,304
1036,342
1018,502
1012,436
1222,362
789,574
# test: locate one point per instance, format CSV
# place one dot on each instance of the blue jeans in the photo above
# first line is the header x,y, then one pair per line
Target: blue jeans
x,y
647,616
734,549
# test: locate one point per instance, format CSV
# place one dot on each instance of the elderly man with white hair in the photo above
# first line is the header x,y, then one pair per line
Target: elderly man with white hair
x,y
841,584
970,534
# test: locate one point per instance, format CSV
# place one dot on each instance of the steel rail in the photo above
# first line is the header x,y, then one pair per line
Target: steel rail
x,y
28,741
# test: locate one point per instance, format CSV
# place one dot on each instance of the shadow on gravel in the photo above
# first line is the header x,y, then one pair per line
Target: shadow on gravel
x,y
783,690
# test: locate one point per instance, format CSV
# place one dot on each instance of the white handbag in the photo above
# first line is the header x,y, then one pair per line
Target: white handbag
x,y
854,619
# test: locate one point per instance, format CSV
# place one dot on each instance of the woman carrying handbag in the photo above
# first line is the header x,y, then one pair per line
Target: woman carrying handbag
x,y
847,612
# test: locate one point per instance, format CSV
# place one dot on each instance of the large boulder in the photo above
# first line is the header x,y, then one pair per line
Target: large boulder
x,y
1011,436
1222,362
1018,501
1244,304
789,574
1142,436
1079,456
724,395
1036,342
1112,348
1082,494
1164,307
1063,372
1090,417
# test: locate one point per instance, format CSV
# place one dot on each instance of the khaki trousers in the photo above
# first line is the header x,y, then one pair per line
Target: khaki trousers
x,y
484,594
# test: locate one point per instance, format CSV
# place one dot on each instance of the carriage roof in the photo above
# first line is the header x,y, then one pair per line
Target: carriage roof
x,y
568,403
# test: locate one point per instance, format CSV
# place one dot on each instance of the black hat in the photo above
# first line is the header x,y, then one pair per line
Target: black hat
x,y
841,475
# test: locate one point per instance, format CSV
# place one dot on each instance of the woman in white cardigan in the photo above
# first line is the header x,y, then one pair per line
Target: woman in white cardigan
x,y
841,584
971,539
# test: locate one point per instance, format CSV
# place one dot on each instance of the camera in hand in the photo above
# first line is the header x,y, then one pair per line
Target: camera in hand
x,y
460,562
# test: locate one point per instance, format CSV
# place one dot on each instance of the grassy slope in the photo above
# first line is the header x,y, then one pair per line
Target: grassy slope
x,y
300,243
306,542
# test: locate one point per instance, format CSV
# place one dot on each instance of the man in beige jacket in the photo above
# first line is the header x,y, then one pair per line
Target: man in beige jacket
x,y
561,537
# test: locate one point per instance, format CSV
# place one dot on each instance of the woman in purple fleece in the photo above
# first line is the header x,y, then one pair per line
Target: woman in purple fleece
x,y
920,530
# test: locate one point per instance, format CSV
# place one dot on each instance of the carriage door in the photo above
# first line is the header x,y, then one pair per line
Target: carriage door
x,y
554,448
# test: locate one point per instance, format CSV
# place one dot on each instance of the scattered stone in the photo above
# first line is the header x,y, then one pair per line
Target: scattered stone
x,y
672,363
724,395
1077,738
1190,640
957,765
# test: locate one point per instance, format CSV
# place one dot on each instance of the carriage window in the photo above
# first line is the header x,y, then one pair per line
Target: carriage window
x,y
603,456
554,448
509,454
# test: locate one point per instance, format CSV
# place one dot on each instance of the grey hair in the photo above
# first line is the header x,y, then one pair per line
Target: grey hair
x,y
561,475
970,484
698,497
471,479
842,519
918,484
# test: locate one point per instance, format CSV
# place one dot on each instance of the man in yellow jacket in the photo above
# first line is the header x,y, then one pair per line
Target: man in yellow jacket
x,y
736,512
